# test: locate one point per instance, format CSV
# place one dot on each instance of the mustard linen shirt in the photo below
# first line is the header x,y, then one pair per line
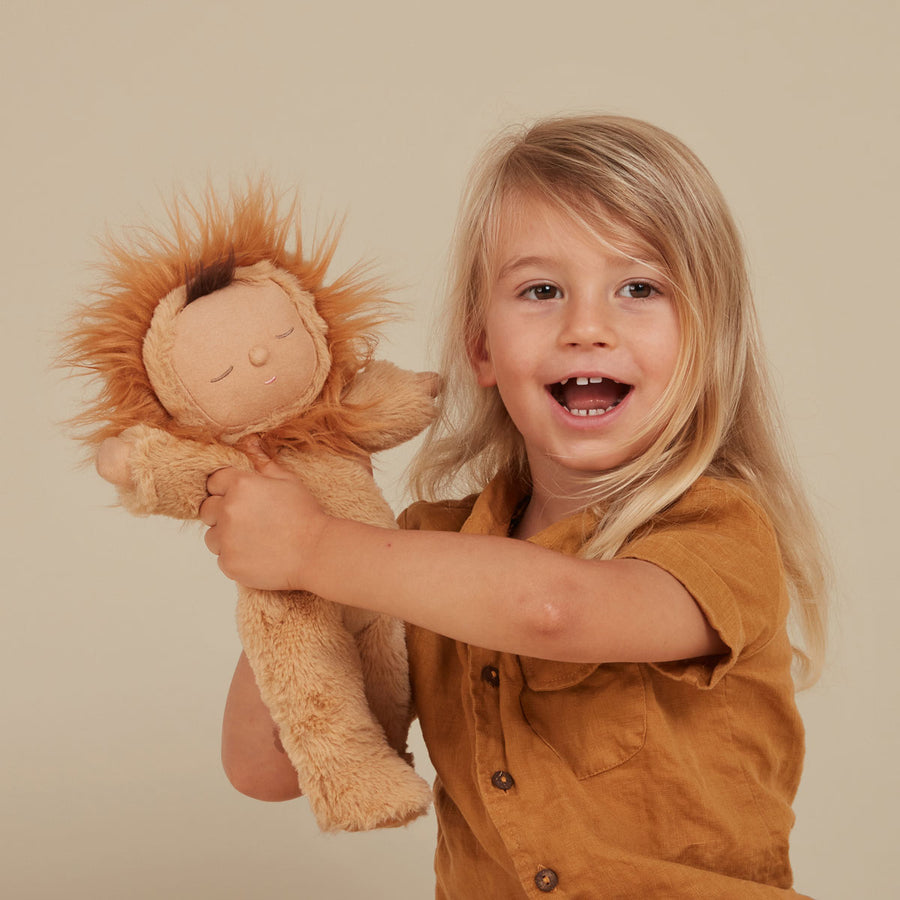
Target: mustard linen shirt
x,y
605,781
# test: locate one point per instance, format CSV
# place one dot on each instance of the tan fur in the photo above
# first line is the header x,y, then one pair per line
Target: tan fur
x,y
334,679
318,688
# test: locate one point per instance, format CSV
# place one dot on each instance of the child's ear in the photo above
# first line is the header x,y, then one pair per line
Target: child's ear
x,y
481,363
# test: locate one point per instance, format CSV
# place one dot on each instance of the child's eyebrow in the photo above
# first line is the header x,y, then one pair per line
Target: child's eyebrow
x,y
522,262
620,261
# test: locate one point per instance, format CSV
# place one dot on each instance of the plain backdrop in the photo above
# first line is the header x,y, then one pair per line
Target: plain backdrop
x,y
117,634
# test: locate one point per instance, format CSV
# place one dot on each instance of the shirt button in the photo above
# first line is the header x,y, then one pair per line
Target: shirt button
x,y
491,675
503,781
546,880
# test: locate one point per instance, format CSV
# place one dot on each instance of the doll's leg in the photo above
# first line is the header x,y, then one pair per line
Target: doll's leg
x,y
309,674
382,651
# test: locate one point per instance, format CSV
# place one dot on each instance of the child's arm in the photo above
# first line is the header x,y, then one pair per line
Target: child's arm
x,y
508,595
252,756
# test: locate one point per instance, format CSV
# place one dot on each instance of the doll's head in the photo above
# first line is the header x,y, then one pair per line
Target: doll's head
x,y
237,350
221,326
639,191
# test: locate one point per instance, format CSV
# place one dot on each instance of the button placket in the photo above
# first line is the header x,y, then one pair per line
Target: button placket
x,y
501,780
486,689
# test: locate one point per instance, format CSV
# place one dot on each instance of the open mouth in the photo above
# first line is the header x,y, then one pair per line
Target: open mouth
x,y
589,395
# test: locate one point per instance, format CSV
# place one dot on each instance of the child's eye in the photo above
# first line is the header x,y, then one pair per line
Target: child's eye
x,y
639,290
284,334
542,292
225,374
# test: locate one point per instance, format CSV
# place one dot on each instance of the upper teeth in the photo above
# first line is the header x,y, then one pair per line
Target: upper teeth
x,y
581,379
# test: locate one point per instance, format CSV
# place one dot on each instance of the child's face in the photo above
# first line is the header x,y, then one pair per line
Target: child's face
x,y
580,341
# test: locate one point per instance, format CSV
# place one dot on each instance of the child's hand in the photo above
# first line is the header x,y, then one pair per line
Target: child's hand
x,y
263,525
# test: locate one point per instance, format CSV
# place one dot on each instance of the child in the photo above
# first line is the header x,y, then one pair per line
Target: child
x,y
598,641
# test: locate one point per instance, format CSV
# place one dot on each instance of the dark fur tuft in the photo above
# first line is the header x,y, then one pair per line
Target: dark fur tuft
x,y
207,278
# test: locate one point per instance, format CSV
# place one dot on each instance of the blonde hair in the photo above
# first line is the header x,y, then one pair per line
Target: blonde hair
x,y
640,189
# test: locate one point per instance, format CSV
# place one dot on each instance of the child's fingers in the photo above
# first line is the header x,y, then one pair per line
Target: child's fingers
x,y
252,447
220,480
263,463
213,544
209,516
209,511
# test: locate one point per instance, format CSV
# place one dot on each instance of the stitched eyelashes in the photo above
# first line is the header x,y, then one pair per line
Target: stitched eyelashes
x,y
230,369
225,374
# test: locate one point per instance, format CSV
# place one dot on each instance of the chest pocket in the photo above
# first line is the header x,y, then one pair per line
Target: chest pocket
x,y
594,717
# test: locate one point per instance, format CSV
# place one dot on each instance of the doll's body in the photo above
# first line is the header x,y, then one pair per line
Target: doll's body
x,y
253,346
335,734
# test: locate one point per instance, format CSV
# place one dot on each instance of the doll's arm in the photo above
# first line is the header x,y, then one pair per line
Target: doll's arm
x,y
401,403
157,473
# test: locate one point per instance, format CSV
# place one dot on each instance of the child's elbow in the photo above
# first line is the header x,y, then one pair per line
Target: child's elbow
x,y
259,784
549,629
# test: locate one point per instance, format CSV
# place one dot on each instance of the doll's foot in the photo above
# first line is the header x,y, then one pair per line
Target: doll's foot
x,y
386,794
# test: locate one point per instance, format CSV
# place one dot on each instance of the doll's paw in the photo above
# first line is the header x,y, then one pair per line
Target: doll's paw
x,y
384,794
429,382
112,461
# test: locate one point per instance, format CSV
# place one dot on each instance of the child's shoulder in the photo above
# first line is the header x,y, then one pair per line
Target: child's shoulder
x,y
440,515
712,513
711,497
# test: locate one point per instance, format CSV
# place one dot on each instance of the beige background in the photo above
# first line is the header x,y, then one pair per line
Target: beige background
x,y
117,633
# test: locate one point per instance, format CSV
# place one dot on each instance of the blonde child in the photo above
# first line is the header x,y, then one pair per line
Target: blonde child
x,y
598,636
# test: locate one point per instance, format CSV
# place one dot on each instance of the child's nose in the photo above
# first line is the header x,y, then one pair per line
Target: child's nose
x,y
259,355
587,323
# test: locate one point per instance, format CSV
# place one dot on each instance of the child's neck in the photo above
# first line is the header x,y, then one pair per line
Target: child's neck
x,y
542,511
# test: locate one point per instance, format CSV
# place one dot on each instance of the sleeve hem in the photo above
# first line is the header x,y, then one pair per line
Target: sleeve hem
x,y
724,617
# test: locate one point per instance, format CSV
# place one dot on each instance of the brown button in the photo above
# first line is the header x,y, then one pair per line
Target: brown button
x,y
502,781
491,675
546,880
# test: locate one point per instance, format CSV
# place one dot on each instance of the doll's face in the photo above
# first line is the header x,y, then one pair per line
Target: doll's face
x,y
243,353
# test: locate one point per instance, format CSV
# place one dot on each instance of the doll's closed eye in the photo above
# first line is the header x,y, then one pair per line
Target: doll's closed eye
x,y
225,374
285,334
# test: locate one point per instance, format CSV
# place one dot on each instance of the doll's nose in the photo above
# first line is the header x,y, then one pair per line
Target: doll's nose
x,y
258,355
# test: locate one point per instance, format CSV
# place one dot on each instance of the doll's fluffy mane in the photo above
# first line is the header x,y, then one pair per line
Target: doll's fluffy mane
x,y
139,269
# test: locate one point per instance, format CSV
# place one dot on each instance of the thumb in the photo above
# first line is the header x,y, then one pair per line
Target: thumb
x,y
262,462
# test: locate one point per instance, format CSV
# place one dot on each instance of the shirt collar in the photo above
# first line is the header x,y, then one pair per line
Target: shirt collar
x,y
496,505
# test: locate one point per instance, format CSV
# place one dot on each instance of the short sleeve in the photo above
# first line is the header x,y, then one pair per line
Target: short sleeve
x,y
719,543
444,515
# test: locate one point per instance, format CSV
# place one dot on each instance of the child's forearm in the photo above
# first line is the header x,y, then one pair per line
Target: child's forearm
x,y
511,595
252,756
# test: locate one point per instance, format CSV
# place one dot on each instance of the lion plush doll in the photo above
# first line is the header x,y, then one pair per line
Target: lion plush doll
x,y
221,332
